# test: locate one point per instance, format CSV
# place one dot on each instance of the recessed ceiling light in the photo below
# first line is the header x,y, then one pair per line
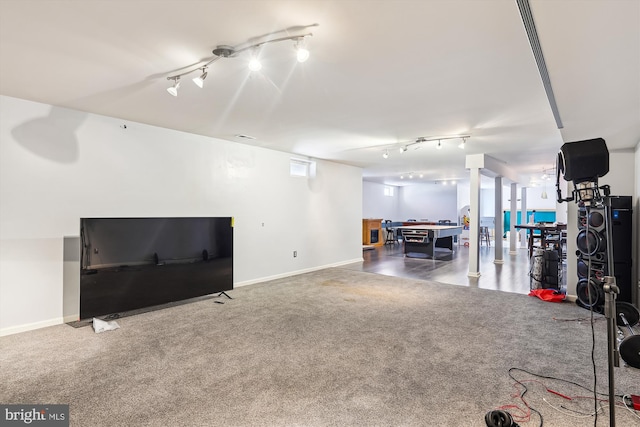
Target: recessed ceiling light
x,y
243,136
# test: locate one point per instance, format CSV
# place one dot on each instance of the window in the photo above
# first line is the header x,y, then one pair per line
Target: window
x,y
300,167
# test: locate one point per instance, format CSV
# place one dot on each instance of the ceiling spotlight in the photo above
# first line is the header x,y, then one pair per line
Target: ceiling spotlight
x,y
462,144
200,79
301,51
545,176
439,146
401,176
410,176
254,64
403,149
453,183
385,155
173,90
421,175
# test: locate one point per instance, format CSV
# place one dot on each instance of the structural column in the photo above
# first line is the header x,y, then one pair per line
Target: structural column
x,y
499,221
523,218
474,223
512,223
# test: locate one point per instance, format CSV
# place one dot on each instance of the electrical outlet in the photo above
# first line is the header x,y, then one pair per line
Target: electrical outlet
x,y
95,250
295,254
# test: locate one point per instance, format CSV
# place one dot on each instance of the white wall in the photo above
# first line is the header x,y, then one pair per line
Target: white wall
x,y
428,201
58,165
376,205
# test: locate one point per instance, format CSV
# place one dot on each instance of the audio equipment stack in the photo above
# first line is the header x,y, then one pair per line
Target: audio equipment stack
x,y
592,244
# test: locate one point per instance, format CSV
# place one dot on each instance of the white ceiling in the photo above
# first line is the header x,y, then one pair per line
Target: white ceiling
x,y
381,73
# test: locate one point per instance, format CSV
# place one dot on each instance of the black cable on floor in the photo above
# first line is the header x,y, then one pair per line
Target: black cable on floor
x,y
525,392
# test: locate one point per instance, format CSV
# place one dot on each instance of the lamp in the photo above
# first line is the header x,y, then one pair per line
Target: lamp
x,y
385,155
173,90
439,146
225,51
462,144
255,64
199,81
403,149
302,53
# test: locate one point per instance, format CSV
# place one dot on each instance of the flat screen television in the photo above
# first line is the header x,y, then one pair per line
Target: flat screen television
x,y
134,263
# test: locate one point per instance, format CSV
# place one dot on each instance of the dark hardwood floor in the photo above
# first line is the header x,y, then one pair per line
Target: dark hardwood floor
x,y
452,268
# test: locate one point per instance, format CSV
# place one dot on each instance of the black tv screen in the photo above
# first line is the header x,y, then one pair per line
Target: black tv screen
x,y
133,263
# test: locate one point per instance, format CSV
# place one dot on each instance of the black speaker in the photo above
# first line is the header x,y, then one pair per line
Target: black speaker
x,y
622,230
595,300
598,269
592,237
592,253
583,160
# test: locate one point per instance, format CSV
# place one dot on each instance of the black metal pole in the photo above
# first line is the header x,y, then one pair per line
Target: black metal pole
x,y
611,290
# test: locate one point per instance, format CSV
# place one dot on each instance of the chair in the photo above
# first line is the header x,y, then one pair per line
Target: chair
x,y
444,222
390,236
485,236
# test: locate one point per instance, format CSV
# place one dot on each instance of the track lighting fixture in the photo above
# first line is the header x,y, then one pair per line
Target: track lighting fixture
x,y
173,90
414,175
405,146
224,51
199,81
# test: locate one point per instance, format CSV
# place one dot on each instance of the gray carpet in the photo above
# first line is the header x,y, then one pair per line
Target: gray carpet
x,y
329,348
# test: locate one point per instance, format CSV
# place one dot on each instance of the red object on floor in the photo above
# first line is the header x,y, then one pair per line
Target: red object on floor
x,y
636,402
551,295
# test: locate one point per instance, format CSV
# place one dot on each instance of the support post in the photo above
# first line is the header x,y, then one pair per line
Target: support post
x,y
474,223
512,223
499,221
523,218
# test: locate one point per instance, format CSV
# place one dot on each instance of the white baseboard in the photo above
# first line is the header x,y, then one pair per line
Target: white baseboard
x,y
295,273
30,326
73,318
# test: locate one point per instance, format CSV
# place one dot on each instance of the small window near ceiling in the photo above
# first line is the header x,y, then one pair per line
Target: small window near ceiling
x,y
388,191
300,167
